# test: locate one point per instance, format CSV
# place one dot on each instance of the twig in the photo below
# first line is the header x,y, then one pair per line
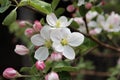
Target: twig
x,y
92,73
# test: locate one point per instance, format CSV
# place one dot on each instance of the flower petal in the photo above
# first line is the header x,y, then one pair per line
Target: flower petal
x,y
58,47
75,39
41,53
60,33
69,52
51,19
45,32
37,40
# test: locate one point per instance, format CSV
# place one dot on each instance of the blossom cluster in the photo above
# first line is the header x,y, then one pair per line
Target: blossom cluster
x,y
99,22
55,36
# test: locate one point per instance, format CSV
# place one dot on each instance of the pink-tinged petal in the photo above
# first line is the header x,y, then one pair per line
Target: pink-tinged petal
x,y
75,39
51,19
41,53
69,52
37,40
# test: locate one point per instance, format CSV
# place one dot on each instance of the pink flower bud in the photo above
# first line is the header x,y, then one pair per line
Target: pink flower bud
x,y
21,50
56,56
52,76
40,65
88,5
37,26
103,2
10,73
29,32
22,23
70,8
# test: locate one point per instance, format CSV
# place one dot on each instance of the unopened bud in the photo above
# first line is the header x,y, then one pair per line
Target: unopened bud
x,y
10,73
29,32
22,23
40,65
70,8
37,26
52,76
21,50
56,56
88,5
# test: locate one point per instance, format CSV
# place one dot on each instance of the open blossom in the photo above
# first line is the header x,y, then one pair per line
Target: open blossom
x,y
57,23
43,40
21,50
10,73
64,39
52,76
40,65
81,2
90,15
112,23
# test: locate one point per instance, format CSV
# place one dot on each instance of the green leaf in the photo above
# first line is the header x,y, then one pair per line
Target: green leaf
x,y
64,75
98,9
41,6
25,69
83,10
10,18
4,5
24,3
54,4
59,11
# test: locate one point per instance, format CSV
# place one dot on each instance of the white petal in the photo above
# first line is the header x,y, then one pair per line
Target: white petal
x,y
59,33
75,39
37,40
58,47
92,24
45,32
41,53
69,52
51,19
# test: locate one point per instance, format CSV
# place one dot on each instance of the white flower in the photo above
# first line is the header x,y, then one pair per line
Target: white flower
x,y
57,23
90,15
81,2
42,40
112,23
64,39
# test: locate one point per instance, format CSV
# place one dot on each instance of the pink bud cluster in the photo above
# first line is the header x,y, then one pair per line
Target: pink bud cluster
x,y
36,28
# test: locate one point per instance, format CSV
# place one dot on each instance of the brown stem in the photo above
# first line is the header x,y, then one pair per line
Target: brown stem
x,y
92,73
87,29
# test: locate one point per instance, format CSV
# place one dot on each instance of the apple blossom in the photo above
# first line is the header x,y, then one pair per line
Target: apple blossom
x,y
43,40
88,5
64,39
57,23
52,76
90,15
21,50
40,65
80,2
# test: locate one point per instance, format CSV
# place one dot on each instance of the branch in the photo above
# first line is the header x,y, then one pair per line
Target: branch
x,y
91,73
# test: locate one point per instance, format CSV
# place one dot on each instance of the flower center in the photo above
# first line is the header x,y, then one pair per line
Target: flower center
x,y
58,24
48,43
64,42
111,26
